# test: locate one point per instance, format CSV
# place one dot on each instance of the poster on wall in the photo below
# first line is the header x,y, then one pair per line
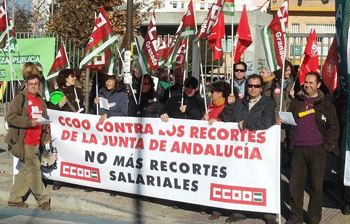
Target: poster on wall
x,y
35,50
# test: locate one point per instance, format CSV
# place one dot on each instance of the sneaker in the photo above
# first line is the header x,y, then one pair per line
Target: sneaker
x,y
113,194
45,206
17,204
88,189
56,185
346,210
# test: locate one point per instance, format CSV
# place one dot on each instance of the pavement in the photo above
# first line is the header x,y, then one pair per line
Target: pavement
x,y
99,207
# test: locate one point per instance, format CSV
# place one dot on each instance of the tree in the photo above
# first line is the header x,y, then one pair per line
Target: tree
x,y
23,18
74,19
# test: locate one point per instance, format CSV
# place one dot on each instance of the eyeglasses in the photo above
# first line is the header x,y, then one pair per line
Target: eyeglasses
x,y
239,70
255,86
34,84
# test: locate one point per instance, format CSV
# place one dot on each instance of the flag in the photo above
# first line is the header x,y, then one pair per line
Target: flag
x,y
331,67
273,38
164,52
215,37
310,62
3,25
243,38
61,62
149,47
12,33
102,38
210,20
229,7
185,31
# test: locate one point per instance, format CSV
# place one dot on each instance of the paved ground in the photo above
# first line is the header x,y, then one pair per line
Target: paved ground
x,y
125,208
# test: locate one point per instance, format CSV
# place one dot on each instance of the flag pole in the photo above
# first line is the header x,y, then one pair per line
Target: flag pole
x,y
234,49
232,57
283,70
10,56
184,75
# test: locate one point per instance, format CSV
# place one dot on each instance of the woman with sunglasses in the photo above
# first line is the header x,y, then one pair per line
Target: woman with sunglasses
x,y
149,103
112,98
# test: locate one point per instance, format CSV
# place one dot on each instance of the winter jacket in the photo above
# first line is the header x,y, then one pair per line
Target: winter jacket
x,y
150,105
215,109
260,117
195,108
326,120
69,92
18,120
117,101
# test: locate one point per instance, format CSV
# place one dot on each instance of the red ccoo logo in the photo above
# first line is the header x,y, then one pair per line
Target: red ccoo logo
x,y
76,171
238,195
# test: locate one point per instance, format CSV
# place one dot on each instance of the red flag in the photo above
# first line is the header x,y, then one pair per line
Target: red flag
x,y
185,31
210,20
3,25
310,62
102,38
273,38
61,62
216,35
243,38
331,67
149,47
162,50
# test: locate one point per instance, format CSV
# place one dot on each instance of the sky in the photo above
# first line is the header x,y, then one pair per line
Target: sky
x,y
27,3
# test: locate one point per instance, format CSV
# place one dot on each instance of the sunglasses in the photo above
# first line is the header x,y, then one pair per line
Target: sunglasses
x,y
255,86
239,70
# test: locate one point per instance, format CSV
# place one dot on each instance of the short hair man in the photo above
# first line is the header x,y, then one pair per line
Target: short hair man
x,y
253,112
193,104
239,79
316,134
27,134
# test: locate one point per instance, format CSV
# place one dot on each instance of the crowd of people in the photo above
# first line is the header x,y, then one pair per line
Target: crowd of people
x,y
252,101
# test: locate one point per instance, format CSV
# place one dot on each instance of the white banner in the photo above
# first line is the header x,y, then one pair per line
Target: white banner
x,y
180,160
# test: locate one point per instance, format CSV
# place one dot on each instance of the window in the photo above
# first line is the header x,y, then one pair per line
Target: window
x,y
182,5
209,5
321,28
202,6
295,28
174,5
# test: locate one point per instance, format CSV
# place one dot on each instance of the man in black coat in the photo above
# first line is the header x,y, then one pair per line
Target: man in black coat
x,y
253,112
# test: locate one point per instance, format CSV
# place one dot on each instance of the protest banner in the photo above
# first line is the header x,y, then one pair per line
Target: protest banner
x,y
180,160
29,52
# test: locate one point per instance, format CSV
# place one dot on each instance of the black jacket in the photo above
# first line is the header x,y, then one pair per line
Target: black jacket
x,y
326,120
69,92
150,105
195,108
260,117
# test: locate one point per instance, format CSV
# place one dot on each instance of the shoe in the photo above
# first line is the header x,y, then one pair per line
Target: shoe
x,y
270,218
45,206
17,204
235,217
113,194
214,216
346,210
56,186
88,189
